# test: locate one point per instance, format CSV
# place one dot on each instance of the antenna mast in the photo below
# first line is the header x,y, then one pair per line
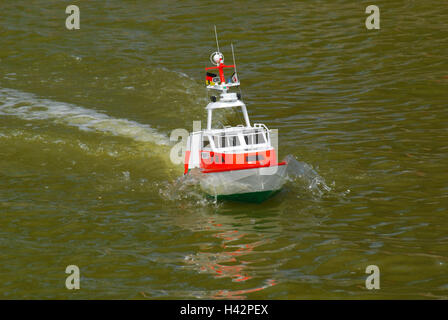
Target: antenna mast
x,y
216,36
233,55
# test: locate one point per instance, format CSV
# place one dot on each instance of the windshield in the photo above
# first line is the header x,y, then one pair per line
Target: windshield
x,y
228,117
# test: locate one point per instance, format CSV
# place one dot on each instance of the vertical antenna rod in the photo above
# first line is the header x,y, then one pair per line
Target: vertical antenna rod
x,y
216,36
233,55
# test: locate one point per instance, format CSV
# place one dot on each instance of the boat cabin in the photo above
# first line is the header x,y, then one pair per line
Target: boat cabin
x,y
231,147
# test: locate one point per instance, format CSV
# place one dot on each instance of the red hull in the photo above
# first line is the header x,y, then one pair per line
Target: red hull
x,y
218,162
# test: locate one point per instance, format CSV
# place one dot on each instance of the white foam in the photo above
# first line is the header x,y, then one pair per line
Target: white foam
x,y
29,107
305,172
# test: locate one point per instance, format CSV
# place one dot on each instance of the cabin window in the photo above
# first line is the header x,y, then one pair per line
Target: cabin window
x,y
259,138
233,141
205,142
257,157
254,138
216,141
223,142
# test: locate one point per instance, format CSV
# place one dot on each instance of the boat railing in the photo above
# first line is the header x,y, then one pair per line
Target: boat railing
x,y
251,139
261,125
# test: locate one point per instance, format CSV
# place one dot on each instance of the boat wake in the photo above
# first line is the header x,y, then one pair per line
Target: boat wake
x,y
27,106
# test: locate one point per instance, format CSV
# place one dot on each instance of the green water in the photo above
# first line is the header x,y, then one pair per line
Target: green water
x,y
85,176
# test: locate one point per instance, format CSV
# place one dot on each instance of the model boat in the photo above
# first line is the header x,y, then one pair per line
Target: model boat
x,y
235,162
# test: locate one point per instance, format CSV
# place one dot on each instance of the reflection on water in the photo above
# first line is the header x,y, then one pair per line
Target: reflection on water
x,y
235,253
232,262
